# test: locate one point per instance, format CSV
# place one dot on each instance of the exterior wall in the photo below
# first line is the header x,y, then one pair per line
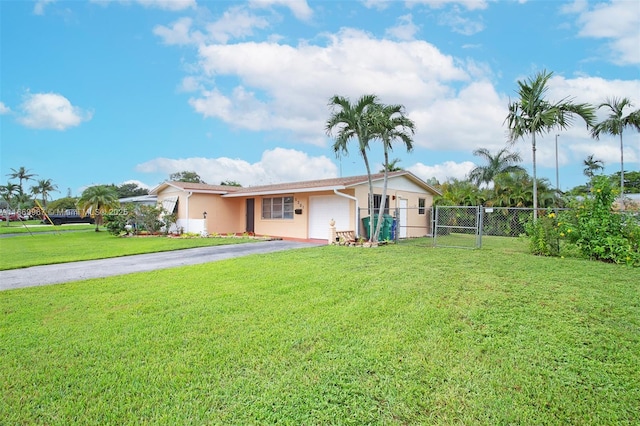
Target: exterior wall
x,y
400,188
298,227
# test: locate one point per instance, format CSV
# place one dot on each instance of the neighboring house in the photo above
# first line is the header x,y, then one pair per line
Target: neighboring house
x,y
298,210
147,200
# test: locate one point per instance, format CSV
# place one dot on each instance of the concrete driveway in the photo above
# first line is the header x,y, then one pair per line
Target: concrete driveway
x,y
74,271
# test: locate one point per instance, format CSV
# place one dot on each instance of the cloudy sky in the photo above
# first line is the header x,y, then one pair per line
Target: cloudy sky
x,y
95,92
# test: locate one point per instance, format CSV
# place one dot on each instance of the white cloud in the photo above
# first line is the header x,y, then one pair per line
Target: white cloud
x,y
178,33
51,111
437,4
138,183
236,22
459,23
276,166
291,93
442,172
299,8
4,109
170,5
404,30
615,21
38,8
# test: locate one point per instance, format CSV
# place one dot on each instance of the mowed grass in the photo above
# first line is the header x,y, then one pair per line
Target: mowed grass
x,y
34,226
42,249
401,334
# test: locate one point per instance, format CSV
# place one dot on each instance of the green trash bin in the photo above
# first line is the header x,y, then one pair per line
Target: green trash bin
x,y
385,228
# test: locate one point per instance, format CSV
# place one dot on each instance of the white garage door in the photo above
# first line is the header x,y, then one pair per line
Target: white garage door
x,y
322,209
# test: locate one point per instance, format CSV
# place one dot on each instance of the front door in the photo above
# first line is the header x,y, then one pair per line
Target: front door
x,y
250,214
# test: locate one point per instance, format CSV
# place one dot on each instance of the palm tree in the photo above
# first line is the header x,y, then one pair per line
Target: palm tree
x,y
43,188
614,124
391,124
8,192
503,162
353,121
532,115
591,166
97,200
21,174
392,166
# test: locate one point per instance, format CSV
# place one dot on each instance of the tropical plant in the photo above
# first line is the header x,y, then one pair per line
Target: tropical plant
x,y
592,165
614,124
21,174
391,124
44,188
531,114
96,201
8,192
502,162
353,122
457,192
598,231
392,166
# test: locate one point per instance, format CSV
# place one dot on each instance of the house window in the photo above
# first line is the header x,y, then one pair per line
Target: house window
x,y
377,200
277,208
421,205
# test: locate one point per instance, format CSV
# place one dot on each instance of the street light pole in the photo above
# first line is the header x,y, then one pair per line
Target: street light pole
x,y
557,170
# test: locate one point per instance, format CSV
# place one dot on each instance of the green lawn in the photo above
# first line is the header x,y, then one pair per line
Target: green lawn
x,y
401,334
34,226
40,249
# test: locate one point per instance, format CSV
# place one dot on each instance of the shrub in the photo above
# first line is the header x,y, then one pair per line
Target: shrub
x,y
601,233
544,235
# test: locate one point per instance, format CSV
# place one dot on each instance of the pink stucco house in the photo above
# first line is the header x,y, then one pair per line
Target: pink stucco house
x,y
297,210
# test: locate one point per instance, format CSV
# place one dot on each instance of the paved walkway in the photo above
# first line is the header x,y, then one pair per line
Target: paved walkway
x,y
74,271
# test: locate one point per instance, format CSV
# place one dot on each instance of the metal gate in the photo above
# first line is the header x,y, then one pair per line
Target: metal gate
x,y
458,226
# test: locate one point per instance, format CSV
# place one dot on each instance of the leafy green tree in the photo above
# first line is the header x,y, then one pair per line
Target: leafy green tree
x,y
44,188
631,181
614,124
65,203
353,122
502,162
22,174
457,192
391,124
129,190
98,200
531,114
230,183
592,165
186,176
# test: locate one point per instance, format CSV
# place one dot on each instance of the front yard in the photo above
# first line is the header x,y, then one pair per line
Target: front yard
x,y
402,334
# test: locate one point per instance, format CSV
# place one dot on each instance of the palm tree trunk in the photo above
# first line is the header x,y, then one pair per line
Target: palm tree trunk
x,y
384,194
371,212
535,180
621,174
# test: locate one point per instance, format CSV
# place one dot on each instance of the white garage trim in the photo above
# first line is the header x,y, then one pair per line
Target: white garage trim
x,y
323,208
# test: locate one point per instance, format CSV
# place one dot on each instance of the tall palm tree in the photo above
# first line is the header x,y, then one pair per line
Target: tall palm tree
x,y
502,162
614,125
97,200
392,166
353,121
44,188
591,166
391,124
531,114
21,174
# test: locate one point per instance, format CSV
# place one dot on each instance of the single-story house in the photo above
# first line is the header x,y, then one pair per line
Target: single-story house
x,y
297,210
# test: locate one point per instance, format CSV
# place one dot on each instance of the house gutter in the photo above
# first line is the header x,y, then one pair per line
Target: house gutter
x,y
335,191
189,194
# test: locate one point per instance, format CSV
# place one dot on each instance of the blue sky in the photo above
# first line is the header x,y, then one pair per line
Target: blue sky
x,y
96,92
